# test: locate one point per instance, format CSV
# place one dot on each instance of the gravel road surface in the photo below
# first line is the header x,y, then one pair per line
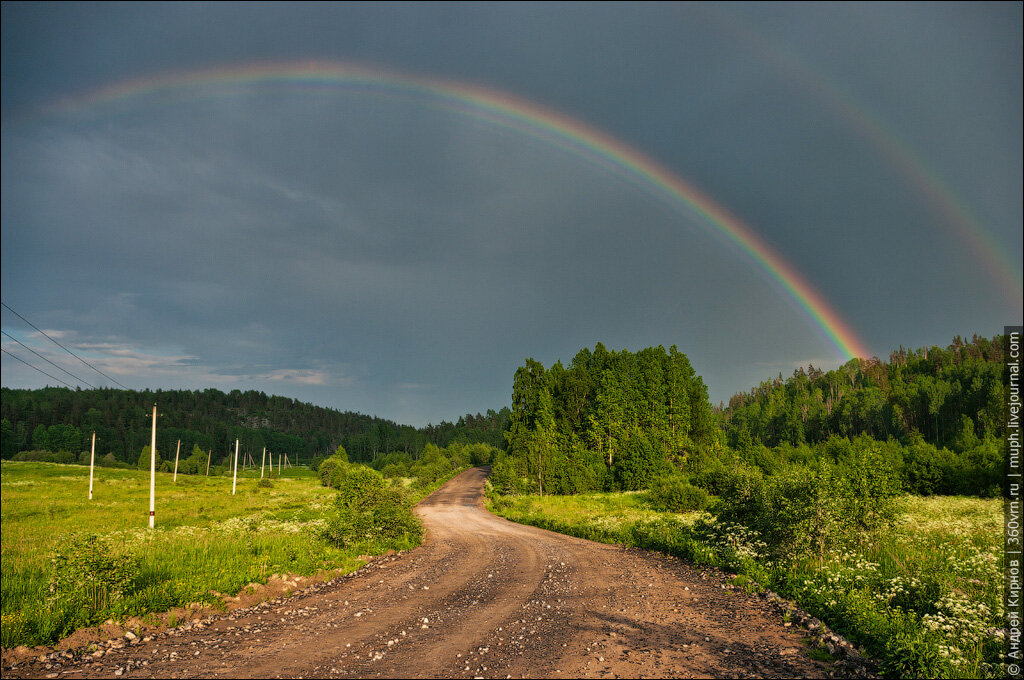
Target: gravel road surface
x,y
482,597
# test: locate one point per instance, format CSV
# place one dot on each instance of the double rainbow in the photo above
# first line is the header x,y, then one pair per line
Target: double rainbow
x,y
504,110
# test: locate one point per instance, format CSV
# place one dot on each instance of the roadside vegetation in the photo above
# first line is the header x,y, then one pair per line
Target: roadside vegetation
x,y
868,494
70,563
923,596
802,486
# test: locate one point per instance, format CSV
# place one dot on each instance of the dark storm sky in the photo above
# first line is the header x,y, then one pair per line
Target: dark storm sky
x,y
388,255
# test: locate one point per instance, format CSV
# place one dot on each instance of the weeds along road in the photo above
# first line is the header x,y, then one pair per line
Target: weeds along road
x,y
485,597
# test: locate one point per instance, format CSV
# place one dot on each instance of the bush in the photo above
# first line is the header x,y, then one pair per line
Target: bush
x,y
676,494
367,509
314,463
712,477
90,578
145,459
392,470
638,463
358,486
40,456
808,510
927,469
504,476
872,488
481,454
329,469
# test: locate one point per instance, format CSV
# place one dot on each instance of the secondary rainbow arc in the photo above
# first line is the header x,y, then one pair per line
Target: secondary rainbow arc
x,y
528,118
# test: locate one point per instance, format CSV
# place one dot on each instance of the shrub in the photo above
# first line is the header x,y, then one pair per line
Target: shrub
x,y
675,494
65,457
638,463
927,469
145,459
481,454
504,476
392,470
872,489
90,577
810,510
328,469
367,509
712,478
358,486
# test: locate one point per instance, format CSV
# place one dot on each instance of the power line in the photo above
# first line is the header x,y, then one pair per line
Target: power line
x,y
45,359
38,369
63,347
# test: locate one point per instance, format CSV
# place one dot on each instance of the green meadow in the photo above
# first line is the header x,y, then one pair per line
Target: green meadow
x,y
69,562
924,598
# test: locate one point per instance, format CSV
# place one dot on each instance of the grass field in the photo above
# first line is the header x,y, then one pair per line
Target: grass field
x,y
924,598
205,539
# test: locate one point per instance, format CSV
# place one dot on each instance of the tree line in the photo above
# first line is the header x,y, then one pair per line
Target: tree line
x,y
948,397
623,421
610,420
61,421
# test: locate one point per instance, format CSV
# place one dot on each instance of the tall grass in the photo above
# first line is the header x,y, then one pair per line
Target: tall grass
x,y
924,598
206,539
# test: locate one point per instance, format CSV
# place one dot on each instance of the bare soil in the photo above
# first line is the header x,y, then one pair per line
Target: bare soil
x,y
482,597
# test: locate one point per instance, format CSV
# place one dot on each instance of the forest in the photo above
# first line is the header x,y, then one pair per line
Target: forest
x,y
949,397
618,420
609,420
60,420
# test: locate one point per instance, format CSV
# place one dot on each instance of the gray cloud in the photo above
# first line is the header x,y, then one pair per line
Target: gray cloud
x,y
387,255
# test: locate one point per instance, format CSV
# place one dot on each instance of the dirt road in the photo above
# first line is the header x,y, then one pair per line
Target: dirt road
x,y
483,597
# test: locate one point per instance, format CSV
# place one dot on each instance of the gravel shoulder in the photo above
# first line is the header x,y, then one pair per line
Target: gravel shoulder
x,y
481,597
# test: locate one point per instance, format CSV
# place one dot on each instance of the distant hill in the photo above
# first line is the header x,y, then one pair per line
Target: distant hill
x,y
950,397
60,419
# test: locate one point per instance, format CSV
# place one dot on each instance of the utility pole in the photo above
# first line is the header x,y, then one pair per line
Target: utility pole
x,y
234,481
92,463
176,453
263,465
152,474
209,457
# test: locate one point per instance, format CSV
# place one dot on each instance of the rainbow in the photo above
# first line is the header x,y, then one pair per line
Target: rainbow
x,y
938,197
505,110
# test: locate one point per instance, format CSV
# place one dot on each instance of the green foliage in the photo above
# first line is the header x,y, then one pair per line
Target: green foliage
x,y
369,510
340,453
942,404
638,464
65,457
505,476
812,510
146,460
480,454
870,490
89,579
610,420
676,494
922,596
205,539
330,469
60,419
